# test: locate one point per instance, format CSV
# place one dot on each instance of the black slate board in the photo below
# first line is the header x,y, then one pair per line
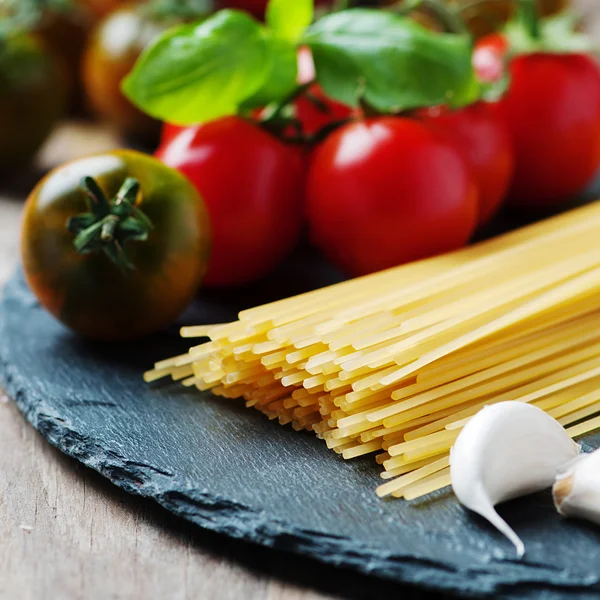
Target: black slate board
x,y
229,470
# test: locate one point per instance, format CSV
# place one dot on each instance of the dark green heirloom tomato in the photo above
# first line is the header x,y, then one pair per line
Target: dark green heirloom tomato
x,y
32,98
115,245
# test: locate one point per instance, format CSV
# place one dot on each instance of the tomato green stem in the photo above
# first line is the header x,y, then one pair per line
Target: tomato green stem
x,y
110,224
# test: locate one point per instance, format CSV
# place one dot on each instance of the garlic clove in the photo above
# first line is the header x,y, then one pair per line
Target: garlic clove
x,y
505,451
576,492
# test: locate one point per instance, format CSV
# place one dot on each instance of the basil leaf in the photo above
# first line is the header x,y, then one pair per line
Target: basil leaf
x,y
288,19
200,72
282,74
390,61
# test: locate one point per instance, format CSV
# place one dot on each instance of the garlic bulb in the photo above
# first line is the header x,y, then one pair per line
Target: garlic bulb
x,y
577,489
507,450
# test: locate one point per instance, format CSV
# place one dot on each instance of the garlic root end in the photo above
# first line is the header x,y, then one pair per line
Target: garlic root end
x,y
504,528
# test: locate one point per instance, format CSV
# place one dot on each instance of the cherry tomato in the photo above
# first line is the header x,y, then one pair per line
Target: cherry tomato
x,y
170,131
118,285
485,142
552,110
489,57
32,98
65,33
315,110
100,8
111,53
386,191
253,188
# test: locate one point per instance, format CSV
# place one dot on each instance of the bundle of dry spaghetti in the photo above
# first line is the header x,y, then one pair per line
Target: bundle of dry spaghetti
x,y
396,362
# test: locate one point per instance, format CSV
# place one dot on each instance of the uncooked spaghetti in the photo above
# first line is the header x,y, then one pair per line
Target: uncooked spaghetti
x,y
395,363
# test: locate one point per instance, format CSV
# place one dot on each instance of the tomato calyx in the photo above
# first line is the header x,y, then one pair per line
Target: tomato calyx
x,y
110,224
528,33
279,119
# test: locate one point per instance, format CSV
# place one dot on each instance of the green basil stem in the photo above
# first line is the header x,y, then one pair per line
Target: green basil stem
x,y
274,118
109,225
528,14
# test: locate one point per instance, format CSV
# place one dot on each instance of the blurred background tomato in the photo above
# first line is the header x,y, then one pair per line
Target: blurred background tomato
x,y
114,46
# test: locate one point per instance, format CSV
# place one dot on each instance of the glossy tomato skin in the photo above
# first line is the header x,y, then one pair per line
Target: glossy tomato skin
x,y
170,131
89,293
110,54
253,186
386,191
483,139
32,98
100,8
552,110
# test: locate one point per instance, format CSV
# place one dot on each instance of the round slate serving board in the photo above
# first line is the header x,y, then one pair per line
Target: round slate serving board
x,y
230,470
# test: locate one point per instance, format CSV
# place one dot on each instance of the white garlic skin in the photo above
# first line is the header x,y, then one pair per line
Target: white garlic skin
x,y
577,489
505,451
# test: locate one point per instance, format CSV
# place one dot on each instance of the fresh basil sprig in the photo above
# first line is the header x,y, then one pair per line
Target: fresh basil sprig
x,y
289,19
230,63
200,72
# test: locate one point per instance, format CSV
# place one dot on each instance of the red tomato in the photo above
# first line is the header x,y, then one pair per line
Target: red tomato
x,y
489,57
311,115
169,132
253,187
388,190
552,110
484,141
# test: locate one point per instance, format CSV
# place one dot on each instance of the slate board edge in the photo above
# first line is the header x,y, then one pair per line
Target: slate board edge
x,y
236,520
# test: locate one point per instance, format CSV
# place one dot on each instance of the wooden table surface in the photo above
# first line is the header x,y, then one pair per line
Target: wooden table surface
x,y
68,534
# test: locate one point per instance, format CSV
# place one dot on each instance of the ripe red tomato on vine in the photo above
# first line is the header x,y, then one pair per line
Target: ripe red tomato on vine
x,y
253,187
389,190
552,112
484,140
